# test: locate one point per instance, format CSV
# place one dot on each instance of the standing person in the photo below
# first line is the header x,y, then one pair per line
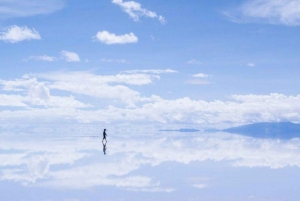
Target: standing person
x,y
104,135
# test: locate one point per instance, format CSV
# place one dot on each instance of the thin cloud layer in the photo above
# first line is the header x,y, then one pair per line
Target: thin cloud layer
x,y
111,38
154,71
42,58
286,12
28,7
64,56
15,34
135,10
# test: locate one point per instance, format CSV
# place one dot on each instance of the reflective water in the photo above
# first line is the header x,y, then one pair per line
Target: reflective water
x,y
69,165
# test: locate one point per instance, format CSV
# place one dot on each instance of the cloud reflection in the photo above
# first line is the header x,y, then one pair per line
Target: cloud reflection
x,y
76,161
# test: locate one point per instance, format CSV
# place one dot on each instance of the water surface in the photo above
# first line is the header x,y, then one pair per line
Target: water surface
x,y
69,164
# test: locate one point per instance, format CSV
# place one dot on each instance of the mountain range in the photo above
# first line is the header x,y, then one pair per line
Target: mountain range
x,y
280,130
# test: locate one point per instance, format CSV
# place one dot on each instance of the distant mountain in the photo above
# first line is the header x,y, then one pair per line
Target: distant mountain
x,y
280,130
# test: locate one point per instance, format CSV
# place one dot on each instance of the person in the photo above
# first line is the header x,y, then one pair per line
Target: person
x,y
104,135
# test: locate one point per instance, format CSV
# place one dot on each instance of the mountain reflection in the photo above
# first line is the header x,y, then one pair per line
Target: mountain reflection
x,y
58,161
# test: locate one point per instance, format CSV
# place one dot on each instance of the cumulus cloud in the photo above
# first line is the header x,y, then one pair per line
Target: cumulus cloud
x,y
70,56
36,94
284,12
119,97
14,34
111,38
100,86
135,10
28,7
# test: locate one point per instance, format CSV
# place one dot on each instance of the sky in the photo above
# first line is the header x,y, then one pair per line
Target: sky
x,y
202,64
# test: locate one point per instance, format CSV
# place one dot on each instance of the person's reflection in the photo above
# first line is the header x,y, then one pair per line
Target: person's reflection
x,y
104,147
104,135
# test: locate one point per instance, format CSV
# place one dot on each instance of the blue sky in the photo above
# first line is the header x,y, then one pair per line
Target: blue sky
x,y
206,64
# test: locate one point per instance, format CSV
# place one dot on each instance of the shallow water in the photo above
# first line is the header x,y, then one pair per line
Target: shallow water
x,y
64,165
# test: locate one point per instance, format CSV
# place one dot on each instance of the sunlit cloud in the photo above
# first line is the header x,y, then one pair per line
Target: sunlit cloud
x,y
15,34
111,38
135,10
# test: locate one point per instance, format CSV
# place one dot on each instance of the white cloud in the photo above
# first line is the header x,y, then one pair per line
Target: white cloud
x,y
36,94
135,10
193,61
200,75
11,100
120,97
111,38
70,56
15,34
42,58
11,8
154,71
286,12
112,87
